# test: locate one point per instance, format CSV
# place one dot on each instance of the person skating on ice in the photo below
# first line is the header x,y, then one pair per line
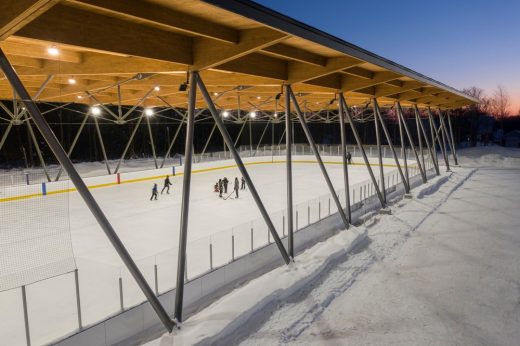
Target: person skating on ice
x,y
220,188
167,185
225,181
154,192
349,157
243,187
236,186
215,187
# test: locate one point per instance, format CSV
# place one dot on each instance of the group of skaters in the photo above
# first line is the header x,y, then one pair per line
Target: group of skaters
x,y
221,186
166,186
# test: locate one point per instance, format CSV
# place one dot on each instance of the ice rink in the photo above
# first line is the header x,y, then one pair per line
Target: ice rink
x,y
150,232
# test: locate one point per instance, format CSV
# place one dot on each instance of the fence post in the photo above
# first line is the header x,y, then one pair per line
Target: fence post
x,y
26,317
27,178
210,256
319,210
329,206
283,225
308,214
252,244
232,247
121,302
44,189
296,219
156,276
78,300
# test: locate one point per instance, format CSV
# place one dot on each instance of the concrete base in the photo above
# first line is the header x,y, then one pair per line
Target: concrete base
x,y
408,196
385,211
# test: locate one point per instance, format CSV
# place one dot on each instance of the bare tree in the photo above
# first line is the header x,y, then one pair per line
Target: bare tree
x,y
500,103
484,105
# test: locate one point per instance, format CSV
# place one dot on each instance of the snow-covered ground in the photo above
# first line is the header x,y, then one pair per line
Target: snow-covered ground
x,y
442,269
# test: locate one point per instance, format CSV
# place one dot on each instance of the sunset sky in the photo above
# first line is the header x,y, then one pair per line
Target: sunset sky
x,y
462,43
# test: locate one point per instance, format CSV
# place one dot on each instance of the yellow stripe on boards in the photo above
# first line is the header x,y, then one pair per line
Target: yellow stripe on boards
x,y
195,171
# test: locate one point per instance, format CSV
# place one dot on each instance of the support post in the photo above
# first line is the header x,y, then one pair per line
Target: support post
x,y
78,299
430,149
102,144
379,154
173,141
26,317
344,157
318,156
73,145
288,160
128,143
409,135
152,144
82,189
454,149
437,137
242,168
403,148
362,150
419,141
186,186
389,140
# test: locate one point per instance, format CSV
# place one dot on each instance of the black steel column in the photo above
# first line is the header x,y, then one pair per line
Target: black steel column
x,y
288,159
379,152
345,161
186,186
83,190
318,157
452,141
430,149
389,140
362,150
242,168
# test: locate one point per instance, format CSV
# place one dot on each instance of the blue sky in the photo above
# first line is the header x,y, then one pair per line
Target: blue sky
x,y
459,42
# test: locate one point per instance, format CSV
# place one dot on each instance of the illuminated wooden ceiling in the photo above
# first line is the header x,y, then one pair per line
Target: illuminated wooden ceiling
x,y
243,50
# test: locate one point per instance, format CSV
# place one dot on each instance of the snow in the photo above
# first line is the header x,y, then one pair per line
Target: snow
x,y
443,268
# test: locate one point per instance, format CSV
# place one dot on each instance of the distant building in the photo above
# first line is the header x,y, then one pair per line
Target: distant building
x,y
512,139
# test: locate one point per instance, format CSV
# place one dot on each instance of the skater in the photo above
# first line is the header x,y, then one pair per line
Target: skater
x,y
154,192
225,181
236,186
349,158
243,186
167,185
215,187
220,188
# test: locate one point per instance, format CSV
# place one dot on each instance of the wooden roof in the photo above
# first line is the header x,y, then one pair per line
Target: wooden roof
x,y
243,51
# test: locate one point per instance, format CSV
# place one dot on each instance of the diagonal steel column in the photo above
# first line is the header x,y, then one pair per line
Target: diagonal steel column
x,y
170,147
430,149
344,157
240,132
433,130
419,140
6,133
152,144
436,138
288,165
362,150
403,150
83,190
318,157
452,141
409,135
209,138
389,140
98,131
379,153
242,168
37,147
448,137
444,134
186,186
262,136
134,131
73,145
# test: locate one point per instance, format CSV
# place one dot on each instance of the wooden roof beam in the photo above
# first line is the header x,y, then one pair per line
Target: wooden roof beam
x,y
37,50
72,26
209,53
16,14
288,52
358,71
387,91
302,72
161,17
351,83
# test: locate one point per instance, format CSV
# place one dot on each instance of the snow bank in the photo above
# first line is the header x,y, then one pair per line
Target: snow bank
x,y
225,316
490,156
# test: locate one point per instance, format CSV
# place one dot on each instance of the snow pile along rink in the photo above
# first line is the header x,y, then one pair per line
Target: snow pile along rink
x,y
227,315
490,156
